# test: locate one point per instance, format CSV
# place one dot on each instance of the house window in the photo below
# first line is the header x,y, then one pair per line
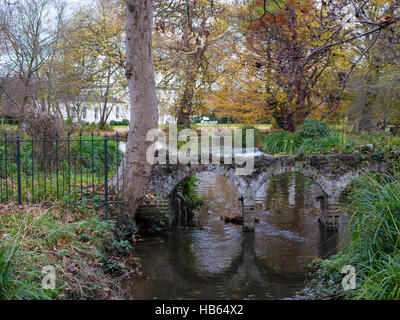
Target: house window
x,y
96,113
117,113
84,112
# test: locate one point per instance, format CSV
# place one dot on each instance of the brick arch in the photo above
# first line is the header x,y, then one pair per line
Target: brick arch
x,y
164,181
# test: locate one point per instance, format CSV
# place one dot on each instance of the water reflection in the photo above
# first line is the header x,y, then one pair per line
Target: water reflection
x,y
217,261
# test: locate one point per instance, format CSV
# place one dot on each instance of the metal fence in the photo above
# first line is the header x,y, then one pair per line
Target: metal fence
x,y
75,170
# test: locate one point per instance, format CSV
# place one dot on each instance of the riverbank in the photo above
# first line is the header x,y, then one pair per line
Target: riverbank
x,y
90,256
373,252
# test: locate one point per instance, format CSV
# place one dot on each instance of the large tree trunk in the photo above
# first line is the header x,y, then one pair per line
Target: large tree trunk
x,y
143,99
192,70
185,105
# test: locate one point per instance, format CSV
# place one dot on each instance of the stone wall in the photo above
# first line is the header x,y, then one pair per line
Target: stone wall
x,y
156,216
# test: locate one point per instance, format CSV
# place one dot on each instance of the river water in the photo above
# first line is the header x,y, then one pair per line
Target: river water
x,y
215,260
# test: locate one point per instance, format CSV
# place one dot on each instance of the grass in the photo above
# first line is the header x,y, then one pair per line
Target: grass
x,y
120,127
379,145
282,142
84,249
7,127
374,249
11,285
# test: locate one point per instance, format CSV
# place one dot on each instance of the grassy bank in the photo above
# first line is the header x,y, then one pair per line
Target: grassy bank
x,y
89,254
380,145
374,249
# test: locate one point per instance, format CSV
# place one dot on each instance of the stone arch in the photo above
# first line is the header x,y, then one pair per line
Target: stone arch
x,y
343,181
163,183
273,171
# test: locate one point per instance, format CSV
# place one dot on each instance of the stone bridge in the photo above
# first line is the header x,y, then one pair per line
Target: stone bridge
x,y
332,173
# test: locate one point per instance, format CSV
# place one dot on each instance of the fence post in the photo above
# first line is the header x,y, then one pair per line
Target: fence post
x,y
5,163
19,169
92,166
57,163
80,161
32,169
106,174
117,164
69,166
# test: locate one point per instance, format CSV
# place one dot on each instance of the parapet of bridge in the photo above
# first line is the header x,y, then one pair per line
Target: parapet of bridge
x,y
332,173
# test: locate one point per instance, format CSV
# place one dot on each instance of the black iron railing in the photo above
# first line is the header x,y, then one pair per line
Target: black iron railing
x,y
72,170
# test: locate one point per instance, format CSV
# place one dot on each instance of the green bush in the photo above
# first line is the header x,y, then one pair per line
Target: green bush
x,y
70,119
313,129
123,122
114,154
322,145
257,134
188,188
282,142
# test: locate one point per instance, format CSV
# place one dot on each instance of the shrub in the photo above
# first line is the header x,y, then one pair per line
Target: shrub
x,y
257,134
123,122
114,153
321,145
188,188
282,142
40,124
70,120
313,129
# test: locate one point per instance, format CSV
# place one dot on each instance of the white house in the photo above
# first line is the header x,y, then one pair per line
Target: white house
x,y
91,112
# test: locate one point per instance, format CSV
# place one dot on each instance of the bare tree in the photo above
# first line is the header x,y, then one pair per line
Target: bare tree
x,y
28,45
185,33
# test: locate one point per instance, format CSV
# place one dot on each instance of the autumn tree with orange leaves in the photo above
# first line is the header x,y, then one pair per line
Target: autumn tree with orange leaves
x,y
300,54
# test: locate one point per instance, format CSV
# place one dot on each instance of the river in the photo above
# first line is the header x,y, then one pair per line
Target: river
x,y
215,260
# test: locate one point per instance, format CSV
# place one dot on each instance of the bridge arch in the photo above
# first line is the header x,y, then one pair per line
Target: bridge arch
x,y
332,173
345,180
163,183
269,173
